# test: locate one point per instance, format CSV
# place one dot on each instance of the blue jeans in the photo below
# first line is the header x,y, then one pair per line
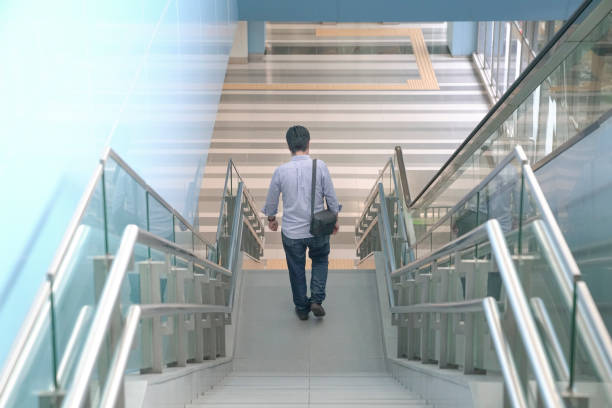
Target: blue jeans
x,y
318,251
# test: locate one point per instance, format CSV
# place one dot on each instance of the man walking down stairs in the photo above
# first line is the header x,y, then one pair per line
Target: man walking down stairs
x,y
337,361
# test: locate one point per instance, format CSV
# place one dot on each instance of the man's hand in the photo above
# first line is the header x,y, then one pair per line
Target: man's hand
x,y
336,228
273,225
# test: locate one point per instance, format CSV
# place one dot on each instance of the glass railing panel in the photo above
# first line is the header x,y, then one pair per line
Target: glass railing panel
x,y
129,295
480,278
80,278
225,226
76,286
588,376
185,238
37,376
160,220
519,354
466,177
571,98
542,282
551,294
126,203
76,296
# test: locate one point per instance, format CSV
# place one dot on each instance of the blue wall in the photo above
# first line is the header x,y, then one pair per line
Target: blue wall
x,y
142,76
404,10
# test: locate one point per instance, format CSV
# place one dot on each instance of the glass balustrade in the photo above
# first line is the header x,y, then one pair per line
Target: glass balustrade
x,y
575,95
119,198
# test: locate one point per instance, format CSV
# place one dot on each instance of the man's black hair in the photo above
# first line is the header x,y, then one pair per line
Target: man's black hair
x,y
298,138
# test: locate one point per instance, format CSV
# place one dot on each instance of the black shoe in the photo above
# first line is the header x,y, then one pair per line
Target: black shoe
x,y
317,310
302,315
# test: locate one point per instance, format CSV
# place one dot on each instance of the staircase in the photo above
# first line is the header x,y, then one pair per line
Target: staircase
x,y
338,360
259,389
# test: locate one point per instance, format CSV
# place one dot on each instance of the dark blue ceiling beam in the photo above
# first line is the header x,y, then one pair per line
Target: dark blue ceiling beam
x,y
404,10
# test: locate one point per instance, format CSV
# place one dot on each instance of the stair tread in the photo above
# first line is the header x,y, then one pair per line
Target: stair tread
x,y
361,404
301,391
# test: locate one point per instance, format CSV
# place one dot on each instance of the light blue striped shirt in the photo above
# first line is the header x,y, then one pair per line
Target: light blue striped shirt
x,y
293,180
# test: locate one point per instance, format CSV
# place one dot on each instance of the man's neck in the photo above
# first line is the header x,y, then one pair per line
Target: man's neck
x,y
301,153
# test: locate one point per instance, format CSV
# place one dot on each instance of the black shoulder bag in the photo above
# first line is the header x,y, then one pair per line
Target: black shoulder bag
x,y
323,222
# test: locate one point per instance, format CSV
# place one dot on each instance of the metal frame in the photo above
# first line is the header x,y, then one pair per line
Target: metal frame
x,y
107,306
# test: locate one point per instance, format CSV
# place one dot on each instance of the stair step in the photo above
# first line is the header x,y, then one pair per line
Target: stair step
x,y
261,390
360,404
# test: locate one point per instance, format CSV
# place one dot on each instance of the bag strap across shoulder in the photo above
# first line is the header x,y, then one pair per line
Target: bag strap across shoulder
x,y
314,183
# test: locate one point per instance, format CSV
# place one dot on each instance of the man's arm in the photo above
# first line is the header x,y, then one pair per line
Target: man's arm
x,y
328,190
329,194
271,207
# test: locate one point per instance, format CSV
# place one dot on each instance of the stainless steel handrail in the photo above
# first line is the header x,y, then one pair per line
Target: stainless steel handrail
x,y
116,373
400,187
540,313
589,321
231,167
465,306
373,191
69,354
110,295
598,339
36,310
114,383
492,231
367,231
464,241
258,236
594,332
506,362
28,330
490,307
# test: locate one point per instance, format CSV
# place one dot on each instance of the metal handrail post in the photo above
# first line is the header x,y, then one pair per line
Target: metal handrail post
x,y
220,221
236,235
387,245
